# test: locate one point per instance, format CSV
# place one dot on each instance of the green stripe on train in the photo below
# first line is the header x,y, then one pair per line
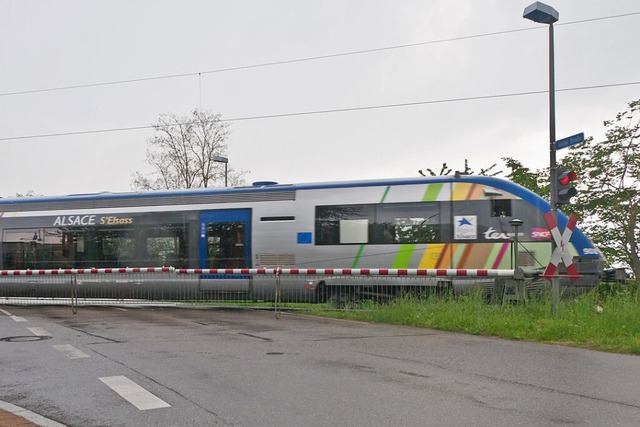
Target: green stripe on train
x,y
404,255
431,193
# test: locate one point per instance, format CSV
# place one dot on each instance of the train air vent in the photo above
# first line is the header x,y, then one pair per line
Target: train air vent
x,y
276,260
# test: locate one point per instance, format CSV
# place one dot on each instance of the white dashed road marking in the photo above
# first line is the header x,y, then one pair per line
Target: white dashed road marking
x,y
70,351
136,395
16,318
39,332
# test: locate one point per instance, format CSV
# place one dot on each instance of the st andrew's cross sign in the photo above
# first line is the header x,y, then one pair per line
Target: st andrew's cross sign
x,y
561,251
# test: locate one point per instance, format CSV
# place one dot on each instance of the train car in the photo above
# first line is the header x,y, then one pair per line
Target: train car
x,y
457,222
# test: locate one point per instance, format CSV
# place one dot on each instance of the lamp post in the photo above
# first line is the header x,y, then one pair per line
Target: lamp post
x,y
544,14
225,160
515,223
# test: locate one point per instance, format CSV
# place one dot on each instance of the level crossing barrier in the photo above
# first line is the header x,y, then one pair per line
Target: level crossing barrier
x,y
256,287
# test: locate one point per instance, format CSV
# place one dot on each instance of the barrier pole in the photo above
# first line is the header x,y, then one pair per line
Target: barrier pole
x,y
278,273
74,294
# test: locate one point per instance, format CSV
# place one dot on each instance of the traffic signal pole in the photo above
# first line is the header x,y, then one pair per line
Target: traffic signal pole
x,y
552,126
553,196
545,14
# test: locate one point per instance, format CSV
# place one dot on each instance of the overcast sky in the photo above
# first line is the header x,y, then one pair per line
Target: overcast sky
x,y
52,44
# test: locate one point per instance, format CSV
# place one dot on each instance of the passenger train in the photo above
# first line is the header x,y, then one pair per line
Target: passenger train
x,y
457,222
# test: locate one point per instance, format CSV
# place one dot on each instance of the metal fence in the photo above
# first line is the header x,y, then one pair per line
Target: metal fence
x,y
258,287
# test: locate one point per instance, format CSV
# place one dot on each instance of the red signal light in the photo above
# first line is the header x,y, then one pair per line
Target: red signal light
x,y
566,177
565,190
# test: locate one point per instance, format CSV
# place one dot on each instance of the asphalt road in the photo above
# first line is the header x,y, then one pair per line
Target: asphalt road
x,y
110,366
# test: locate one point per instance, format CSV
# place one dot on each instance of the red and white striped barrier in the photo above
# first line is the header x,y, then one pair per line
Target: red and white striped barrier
x,y
74,271
429,272
435,272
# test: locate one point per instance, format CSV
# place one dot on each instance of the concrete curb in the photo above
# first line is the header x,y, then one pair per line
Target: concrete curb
x,y
27,415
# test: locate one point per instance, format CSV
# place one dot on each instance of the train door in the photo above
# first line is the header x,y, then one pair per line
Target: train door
x,y
225,242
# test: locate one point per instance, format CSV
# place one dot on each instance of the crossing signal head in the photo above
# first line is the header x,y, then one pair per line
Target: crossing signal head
x,y
565,188
565,178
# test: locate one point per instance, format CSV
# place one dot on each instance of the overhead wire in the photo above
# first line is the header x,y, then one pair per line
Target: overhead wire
x,y
328,111
306,59
314,58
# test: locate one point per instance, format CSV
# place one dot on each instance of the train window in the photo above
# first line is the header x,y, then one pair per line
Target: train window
x,y
354,231
226,245
329,219
162,251
408,223
33,248
501,208
415,230
392,223
151,245
20,248
115,248
165,245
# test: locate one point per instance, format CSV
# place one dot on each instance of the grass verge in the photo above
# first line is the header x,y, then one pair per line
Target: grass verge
x,y
614,327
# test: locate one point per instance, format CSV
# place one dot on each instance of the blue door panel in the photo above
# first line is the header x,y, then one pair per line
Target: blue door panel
x,y
225,216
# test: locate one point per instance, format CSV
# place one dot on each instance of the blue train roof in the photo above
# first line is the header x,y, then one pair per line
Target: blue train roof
x,y
270,186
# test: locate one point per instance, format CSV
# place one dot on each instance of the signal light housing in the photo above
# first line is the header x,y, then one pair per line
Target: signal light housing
x,y
565,188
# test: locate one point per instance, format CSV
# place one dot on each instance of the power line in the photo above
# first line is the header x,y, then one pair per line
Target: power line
x,y
306,59
437,101
335,110
80,132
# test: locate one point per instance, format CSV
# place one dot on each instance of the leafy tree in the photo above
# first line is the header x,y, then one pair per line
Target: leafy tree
x,y
608,201
182,150
609,189
537,181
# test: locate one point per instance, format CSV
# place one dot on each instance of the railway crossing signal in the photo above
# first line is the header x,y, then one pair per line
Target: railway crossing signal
x,y
560,252
565,189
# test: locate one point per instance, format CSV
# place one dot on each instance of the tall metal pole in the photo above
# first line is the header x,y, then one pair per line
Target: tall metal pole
x,y
552,128
555,282
545,14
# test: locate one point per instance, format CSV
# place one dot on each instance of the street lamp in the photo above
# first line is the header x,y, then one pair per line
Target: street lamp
x,y
544,14
515,223
225,160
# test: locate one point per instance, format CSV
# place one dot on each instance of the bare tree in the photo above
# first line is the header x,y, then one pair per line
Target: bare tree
x,y
446,170
182,151
29,193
